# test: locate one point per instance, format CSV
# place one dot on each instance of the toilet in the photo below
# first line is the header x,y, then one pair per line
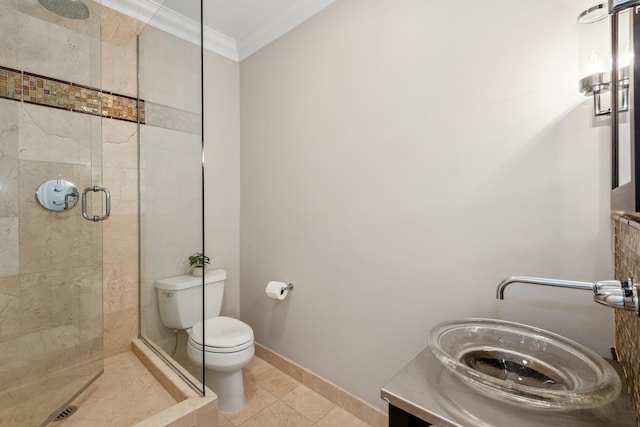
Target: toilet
x,y
226,343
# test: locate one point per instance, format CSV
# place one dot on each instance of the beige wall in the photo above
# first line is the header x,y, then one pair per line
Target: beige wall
x,y
398,160
222,172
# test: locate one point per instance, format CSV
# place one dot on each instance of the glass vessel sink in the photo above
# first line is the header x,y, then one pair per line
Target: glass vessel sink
x,y
524,365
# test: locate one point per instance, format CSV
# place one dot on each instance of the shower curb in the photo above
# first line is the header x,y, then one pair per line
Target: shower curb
x,y
191,409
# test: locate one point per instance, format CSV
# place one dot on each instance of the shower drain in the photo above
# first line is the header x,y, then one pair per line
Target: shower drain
x,y
66,413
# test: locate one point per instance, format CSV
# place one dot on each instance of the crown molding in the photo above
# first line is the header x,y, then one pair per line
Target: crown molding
x,y
153,13
220,44
142,10
282,24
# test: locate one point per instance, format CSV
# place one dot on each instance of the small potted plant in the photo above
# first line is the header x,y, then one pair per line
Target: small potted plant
x,y
197,263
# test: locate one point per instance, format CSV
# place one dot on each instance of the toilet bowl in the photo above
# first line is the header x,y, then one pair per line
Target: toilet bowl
x,y
222,345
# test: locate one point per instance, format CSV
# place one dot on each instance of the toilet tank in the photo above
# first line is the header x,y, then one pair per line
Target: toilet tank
x,y
180,298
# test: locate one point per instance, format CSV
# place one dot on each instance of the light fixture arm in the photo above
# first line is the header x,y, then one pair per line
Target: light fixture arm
x,y
599,83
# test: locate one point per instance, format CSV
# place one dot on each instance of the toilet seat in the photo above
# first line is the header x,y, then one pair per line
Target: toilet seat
x,y
223,335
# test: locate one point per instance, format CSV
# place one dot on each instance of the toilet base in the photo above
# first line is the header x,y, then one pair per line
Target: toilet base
x,y
229,387
223,372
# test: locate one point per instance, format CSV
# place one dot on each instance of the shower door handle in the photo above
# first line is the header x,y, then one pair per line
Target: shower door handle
x,y
107,204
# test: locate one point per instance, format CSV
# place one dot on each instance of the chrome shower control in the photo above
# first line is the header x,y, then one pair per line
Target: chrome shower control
x,y
57,195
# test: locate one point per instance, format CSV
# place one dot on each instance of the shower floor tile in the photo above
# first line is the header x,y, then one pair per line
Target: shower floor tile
x,y
126,393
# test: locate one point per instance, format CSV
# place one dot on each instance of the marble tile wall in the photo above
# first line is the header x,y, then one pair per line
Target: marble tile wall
x,y
51,264
10,361
170,168
47,59
120,175
162,55
49,45
627,324
36,143
55,267
168,207
166,251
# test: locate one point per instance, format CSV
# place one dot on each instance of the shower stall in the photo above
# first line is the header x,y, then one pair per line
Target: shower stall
x,y
62,279
50,256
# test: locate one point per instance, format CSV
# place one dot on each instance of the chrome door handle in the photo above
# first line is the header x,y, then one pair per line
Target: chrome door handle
x,y
96,218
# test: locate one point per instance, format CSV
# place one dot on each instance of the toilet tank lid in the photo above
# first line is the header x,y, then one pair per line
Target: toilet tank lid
x,y
178,283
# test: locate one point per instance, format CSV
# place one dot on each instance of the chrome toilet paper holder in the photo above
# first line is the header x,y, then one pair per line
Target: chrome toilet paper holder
x,y
278,290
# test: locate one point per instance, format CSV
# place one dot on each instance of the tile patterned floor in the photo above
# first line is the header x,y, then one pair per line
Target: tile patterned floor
x,y
276,400
126,393
273,399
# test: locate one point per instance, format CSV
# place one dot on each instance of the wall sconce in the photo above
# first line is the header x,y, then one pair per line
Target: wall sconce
x,y
595,44
593,14
598,83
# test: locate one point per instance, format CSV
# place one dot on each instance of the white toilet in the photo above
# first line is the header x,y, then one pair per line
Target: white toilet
x,y
227,343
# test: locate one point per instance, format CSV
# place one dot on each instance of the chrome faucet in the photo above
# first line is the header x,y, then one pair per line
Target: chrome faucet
x,y
612,293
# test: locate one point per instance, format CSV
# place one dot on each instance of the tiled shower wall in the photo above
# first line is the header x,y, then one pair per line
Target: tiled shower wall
x,y
53,334
48,114
627,324
120,175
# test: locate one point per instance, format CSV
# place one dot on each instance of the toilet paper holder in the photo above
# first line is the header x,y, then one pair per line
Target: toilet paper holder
x,y
278,290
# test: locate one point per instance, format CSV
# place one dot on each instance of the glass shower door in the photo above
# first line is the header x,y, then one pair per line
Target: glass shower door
x,y
50,258
171,174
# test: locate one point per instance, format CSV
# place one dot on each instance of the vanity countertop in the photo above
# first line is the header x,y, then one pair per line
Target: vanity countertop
x,y
429,391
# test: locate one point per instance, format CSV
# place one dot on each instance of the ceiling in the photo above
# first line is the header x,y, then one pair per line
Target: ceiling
x,y
236,19
233,28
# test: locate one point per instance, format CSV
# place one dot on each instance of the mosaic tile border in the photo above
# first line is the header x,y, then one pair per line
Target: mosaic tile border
x,y
36,89
626,233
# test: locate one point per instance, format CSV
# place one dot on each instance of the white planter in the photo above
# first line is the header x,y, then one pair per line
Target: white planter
x,y
197,271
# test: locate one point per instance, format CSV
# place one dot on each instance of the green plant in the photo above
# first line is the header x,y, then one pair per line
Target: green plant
x,y
198,260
